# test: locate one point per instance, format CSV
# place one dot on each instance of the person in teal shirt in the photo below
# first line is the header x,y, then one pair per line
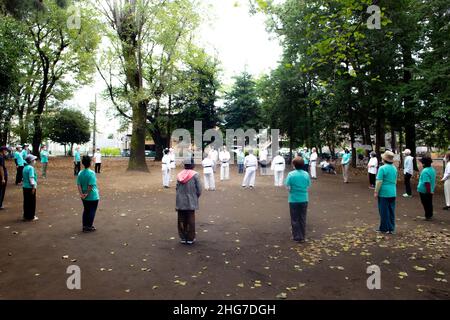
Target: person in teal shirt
x,y
87,188
29,189
18,159
426,186
76,161
240,161
25,152
298,183
44,161
346,157
386,192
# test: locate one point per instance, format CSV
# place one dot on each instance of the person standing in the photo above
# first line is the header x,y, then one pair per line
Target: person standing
x,y
240,160
25,151
446,179
408,171
77,162
29,189
173,163
386,193
98,160
306,157
426,186
372,168
208,174
263,161
313,163
214,156
20,162
278,166
346,157
251,165
165,167
88,190
3,175
298,183
44,160
189,190
224,158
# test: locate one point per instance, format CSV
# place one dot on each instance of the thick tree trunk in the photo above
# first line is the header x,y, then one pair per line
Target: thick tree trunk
x,y
380,131
137,147
37,135
393,141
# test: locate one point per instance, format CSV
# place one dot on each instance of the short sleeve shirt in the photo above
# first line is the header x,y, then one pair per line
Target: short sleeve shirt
x,y
29,172
427,175
85,179
44,156
346,158
19,159
388,175
299,182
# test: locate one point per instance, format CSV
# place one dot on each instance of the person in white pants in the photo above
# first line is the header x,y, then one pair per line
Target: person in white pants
x,y
446,180
313,163
251,165
214,156
224,158
208,174
173,163
165,167
278,166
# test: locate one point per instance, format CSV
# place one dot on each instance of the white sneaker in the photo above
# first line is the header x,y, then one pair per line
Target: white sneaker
x,y
35,218
405,195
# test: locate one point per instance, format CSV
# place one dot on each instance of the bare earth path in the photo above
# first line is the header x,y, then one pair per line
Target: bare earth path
x,y
244,250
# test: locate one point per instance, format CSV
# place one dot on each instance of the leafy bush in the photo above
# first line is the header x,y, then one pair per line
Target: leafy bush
x,y
110,152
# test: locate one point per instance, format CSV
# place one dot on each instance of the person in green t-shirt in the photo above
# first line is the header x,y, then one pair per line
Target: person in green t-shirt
x,y
298,183
44,160
76,161
20,162
29,189
427,183
346,157
386,192
87,187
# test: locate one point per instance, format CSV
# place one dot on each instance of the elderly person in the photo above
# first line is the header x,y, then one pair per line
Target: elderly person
x,y
426,186
251,165
298,183
224,158
20,162
88,190
386,192
408,171
208,174
29,189
372,169
346,157
313,163
44,160
3,174
278,166
76,162
189,189
446,180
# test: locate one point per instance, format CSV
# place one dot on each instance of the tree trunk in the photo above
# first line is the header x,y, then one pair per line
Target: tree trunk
x,y
400,147
380,131
137,146
393,141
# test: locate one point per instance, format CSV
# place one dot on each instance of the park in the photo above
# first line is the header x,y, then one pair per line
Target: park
x,y
256,113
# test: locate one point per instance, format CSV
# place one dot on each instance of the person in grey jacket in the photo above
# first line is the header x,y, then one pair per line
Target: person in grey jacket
x,y
189,189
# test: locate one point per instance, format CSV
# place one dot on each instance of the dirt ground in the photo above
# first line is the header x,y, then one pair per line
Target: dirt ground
x,y
243,251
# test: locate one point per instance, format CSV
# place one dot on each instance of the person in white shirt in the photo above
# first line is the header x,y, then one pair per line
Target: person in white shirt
x,y
224,158
251,165
165,167
278,166
372,168
313,163
408,171
214,156
98,160
263,161
208,173
173,163
446,180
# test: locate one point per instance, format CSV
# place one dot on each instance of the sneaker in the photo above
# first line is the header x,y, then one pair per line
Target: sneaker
x,y
190,242
405,195
252,187
428,219
391,232
183,241
35,218
444,208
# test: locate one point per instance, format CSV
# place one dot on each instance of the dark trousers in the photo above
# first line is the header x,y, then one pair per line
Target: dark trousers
x,y
372,178
298,219
186,225
19,175
241,167
386,208
90,208
3,191
427,202
76,168
98,166
29,203
407,178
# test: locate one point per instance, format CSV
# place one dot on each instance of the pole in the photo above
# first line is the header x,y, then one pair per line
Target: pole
x,y
95,124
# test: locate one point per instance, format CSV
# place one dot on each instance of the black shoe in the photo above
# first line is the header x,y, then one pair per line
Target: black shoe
x,y
444,208
1,208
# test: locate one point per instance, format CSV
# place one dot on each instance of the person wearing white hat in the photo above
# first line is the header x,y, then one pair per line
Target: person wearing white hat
x,y
313,163
20,162
29,189
278,166
251,165
408,171
165,168
224,158
208,173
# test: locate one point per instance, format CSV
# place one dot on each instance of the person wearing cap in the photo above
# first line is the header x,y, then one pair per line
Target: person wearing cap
x,y
98,160
165,167
3,174
372,168
426,186
77,162
188,191
298,182
44,160
224,158
386,192
251,165
278,166
446,180
29,189
346,157
208,174
173,163
88,191
20,162
214,156
313,163
408,171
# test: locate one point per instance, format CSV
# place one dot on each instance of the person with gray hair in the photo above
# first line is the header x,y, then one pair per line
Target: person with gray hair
x,y
29,189
408,171
251,165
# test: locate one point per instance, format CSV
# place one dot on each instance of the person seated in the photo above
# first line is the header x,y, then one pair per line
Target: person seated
x,y
327,167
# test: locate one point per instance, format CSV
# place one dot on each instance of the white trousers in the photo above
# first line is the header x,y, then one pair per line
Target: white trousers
x,y
313,169
225,171
278,176
345,172
210,184
166,177
249,178
447,192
